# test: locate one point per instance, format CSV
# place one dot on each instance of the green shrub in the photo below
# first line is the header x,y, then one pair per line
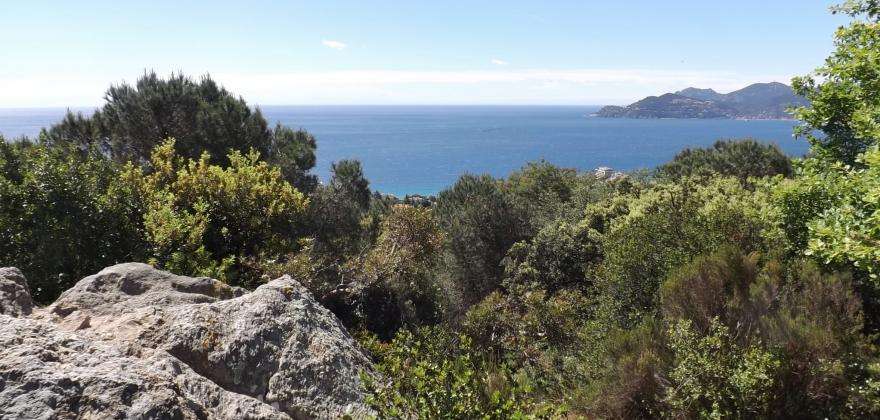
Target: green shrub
x,y
203,219
803,324
202,116
713,377
402,264
740,159
557,257
65,214
431,374
480,224
665,227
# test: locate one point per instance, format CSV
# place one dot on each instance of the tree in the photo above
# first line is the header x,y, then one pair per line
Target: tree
x,y
845,105
737,158
204,219
202,116
402,263
668,225
337,210
294,152
480,226
65,214
540,191
348,178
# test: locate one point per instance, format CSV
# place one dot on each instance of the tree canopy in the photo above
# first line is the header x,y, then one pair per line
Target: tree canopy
x,y
201,116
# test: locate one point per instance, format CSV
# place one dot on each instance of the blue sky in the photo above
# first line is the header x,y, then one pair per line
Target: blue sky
x,y
65,53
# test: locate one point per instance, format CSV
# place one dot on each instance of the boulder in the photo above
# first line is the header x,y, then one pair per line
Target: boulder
x,y
15,299
46,373
272,349
276,344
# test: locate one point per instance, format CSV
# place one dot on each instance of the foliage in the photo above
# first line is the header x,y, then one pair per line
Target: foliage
x,y
848,232
802,322
741,159
338,209
557,257
402,263
203,219
830,212
535,334
293,151
666,226
65,214
623,373
713,377
431,374
540,191
202,116
480,224
845,106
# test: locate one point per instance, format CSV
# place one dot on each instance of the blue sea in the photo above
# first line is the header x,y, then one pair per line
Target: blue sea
x,y
424,149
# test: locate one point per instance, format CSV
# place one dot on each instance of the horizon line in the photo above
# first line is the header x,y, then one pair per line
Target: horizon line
x,y
344,105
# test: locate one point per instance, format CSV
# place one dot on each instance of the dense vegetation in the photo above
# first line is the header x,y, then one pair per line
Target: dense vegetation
x,y
730,282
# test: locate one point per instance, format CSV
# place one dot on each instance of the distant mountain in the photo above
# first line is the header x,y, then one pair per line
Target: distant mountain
x,y
701,94
757,101
669,105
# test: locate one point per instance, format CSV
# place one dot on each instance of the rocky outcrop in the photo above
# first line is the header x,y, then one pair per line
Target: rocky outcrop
x,y
46,373
15,299
191,346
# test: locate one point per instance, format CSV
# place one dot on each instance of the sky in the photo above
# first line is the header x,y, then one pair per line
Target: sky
x,y
565,52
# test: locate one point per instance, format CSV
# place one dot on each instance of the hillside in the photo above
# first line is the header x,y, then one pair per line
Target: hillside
x,y
756,101
701,94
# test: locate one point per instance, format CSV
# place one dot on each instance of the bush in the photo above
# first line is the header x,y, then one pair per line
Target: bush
x,y
625,372
431,374
740,159
535,334
202,116
402,264
202,219
714,377
480,225
735,321
65,214
557,257
665,227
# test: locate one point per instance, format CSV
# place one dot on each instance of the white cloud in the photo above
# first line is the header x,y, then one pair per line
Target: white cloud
x,y
499,62
497,86
535,86
336,45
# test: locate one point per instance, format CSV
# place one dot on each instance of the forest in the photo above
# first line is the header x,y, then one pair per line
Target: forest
x,y
730,282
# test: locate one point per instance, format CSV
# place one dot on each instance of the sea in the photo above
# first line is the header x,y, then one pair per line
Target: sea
x,y
424,149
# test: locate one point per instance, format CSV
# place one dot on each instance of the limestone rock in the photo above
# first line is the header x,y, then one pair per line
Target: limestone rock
x,y
15,299
219,351
276,343
46,373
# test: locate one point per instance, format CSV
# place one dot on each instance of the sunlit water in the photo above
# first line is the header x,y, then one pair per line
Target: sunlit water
x,y
423,149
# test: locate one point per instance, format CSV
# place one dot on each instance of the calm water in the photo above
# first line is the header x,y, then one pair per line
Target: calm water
x,y
423,149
